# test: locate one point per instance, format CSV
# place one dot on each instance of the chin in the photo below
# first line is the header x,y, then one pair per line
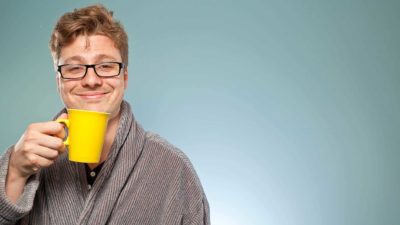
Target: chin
x,y
97,108
88,106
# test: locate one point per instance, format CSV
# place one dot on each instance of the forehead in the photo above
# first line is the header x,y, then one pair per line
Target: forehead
x,y
89,49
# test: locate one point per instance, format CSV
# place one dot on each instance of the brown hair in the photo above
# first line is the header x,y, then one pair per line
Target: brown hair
x,y
91,20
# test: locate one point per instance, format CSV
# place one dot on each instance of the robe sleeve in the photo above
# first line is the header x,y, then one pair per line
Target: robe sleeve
x,y
10,212
201,217
198,210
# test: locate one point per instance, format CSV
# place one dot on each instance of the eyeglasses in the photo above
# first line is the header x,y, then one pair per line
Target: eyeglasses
x,y
79,71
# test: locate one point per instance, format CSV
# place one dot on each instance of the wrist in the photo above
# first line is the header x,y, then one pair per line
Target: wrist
x,y
14,174
15,184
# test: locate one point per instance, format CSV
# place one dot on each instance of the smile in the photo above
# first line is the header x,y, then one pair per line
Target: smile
x,y
92,95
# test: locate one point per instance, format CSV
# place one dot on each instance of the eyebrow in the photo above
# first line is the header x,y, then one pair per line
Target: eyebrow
x,y
98,58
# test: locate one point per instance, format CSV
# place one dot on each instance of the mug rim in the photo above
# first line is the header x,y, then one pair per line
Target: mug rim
x,y
83,110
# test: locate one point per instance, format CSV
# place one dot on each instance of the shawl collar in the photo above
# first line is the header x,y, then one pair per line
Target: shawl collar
x,y
125,151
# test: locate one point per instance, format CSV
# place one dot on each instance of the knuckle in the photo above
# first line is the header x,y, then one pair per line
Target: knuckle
x,y
33,160
54,154
54,125
26,147
29,136
62,150
49,163
58,126
32,126
60,144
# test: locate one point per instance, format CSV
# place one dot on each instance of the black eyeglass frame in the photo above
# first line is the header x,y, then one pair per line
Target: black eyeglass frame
x,y
87,66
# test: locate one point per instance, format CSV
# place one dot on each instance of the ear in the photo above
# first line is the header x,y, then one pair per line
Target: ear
x,y
58,82
125,78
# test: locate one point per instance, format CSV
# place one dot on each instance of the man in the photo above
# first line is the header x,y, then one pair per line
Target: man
x,y
141,178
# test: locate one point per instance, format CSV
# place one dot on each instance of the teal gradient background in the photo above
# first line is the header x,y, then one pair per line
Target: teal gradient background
x,y
289,110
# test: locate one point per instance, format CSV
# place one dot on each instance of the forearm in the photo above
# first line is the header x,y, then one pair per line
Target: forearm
x,y
12,211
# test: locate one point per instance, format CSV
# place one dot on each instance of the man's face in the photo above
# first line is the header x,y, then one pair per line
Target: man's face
x,y
92,92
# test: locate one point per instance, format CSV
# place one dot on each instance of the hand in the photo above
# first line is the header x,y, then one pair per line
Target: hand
x,y
38,147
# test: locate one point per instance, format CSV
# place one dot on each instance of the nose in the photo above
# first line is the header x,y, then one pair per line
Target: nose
x,y
91,79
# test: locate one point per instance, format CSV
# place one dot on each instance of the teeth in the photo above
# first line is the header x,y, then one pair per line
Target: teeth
x,y
92,96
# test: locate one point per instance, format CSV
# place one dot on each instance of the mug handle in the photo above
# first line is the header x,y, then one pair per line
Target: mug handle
x,y
66,123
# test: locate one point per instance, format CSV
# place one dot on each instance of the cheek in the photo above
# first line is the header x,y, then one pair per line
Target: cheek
x,y
119,85
65,88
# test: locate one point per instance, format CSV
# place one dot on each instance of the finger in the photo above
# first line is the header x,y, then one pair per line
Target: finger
x,y
51,142
46,153
62,133
50,127
63,116
37,162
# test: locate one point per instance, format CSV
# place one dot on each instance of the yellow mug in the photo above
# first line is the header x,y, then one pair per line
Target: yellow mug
x,y
86,132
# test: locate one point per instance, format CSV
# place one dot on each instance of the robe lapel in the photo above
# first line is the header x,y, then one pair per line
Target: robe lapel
x,y
126,150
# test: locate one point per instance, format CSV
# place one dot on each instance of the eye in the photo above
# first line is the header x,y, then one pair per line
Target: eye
x,y
74,68
106,66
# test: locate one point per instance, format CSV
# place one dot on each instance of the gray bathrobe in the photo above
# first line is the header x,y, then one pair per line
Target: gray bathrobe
x,y
145,180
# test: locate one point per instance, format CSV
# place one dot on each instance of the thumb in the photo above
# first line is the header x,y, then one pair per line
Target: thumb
x,y
62,134
63,116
